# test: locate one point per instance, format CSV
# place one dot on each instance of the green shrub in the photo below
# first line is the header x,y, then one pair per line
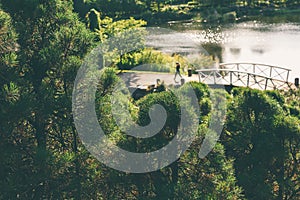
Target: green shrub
x,y
148,60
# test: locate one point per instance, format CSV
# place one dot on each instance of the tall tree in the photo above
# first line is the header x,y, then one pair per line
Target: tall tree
x,y
52,43
9,101
257,136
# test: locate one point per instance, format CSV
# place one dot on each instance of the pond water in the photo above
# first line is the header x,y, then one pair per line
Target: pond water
x,y
275,44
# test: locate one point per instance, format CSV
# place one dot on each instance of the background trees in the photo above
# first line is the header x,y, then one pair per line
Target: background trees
x,y
157,11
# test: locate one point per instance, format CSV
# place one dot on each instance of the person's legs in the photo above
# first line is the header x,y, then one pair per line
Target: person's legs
x,y
179,74
175,75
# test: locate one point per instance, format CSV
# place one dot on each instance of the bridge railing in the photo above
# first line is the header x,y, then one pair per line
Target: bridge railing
x,y
273,72
252,75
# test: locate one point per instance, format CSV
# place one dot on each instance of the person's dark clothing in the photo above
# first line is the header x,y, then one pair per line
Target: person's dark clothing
x,y
177,67
177,71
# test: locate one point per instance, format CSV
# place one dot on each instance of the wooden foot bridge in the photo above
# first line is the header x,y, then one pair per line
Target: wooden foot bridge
x,y
253,75
227,75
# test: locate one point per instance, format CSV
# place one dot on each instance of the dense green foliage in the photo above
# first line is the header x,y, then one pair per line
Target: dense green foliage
x,y
42,45
157,11
261,136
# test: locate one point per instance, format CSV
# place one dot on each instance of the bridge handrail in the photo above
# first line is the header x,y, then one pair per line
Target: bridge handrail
x,y
239,71
229,70
246,63
249,74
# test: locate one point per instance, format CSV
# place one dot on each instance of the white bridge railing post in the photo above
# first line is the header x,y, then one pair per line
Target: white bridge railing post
x,y
215,77
248,77
266,84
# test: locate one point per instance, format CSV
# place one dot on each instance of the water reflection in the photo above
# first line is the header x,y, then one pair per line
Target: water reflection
x,y
258,50
173,42
235,51
214,49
